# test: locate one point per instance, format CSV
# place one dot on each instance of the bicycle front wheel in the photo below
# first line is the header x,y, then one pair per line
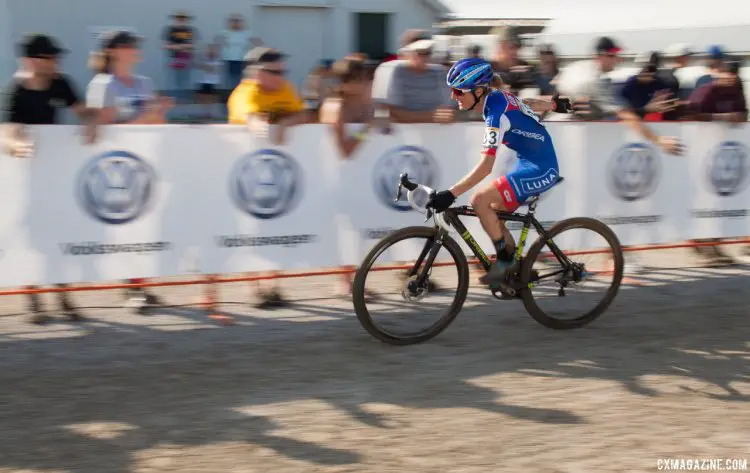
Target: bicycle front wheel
x,y
574,291
406,276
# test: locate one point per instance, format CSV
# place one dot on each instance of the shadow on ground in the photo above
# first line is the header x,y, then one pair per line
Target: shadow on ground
x,y
196,387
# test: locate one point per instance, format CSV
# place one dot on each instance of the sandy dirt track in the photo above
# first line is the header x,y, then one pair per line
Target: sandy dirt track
x,y
664,373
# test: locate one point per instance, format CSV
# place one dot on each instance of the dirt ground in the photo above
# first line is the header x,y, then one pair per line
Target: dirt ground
x,y
665,373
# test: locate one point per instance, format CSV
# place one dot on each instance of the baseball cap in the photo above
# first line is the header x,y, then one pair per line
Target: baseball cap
x,y
263,55
37,45
678,50
546,49
416,40
716,52
606,45
118,38
511,34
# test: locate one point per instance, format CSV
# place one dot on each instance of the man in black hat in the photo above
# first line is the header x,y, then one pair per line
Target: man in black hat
x,y
38,91
34,97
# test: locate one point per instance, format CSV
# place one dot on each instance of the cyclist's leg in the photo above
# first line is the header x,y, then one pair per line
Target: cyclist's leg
x,y
498,196
489,200
512,190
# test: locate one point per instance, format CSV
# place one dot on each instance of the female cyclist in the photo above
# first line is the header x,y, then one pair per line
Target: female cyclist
x,y
511,122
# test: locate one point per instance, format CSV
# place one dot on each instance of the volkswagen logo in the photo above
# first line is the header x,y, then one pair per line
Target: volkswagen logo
x,y
116,187
265,184
634,172
413,160
728,168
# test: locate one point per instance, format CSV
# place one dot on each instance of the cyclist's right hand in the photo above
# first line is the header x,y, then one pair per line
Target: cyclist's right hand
x,y
562,105
441,201
671,145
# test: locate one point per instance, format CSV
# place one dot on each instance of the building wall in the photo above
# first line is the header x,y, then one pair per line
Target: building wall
x,y
308,30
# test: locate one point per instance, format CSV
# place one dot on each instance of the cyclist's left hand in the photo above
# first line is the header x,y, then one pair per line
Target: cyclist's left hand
x,y
441,201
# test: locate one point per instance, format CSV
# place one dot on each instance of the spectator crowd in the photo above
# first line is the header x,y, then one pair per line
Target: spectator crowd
x,y
353,96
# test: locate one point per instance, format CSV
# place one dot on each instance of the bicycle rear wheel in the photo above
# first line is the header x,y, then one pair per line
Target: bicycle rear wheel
x,y
540,268
405,281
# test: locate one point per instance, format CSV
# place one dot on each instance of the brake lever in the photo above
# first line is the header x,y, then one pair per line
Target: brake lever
x,y
429,213
400,186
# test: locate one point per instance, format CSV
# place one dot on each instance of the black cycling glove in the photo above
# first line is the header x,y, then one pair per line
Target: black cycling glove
x,y
441,201
561,105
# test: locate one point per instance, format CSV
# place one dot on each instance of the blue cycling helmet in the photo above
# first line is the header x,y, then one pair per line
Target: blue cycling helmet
x,y
470,73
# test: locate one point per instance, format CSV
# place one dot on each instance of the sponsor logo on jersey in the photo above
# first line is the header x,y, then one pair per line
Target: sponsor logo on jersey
x,y
536,185
512,102
528,134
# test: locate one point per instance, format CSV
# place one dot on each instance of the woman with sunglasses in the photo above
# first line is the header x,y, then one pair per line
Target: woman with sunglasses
x,y
124,97
513,123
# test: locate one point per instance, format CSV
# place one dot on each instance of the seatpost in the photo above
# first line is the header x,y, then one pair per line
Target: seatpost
x,y
532,204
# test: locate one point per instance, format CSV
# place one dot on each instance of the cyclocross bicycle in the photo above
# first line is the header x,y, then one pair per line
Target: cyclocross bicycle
x,y
566,273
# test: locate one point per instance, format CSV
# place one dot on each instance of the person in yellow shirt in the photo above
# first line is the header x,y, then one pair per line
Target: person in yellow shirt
x,y
265,97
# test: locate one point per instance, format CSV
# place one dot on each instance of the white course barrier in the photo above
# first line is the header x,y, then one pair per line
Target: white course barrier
x,y
160,201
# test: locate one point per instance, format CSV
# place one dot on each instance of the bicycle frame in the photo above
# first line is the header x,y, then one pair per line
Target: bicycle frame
x,y
451,217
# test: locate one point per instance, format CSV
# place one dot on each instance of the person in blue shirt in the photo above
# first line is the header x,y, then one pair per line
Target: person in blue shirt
x,y
510,122
647,93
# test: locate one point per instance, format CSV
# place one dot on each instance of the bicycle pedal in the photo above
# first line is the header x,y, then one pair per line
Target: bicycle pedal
x,y
505,293
503,296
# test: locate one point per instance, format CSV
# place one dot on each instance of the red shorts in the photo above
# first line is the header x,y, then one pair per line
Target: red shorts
x,y
507,193
525,180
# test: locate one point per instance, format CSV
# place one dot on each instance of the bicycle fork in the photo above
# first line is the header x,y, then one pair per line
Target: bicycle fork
x,y
429,253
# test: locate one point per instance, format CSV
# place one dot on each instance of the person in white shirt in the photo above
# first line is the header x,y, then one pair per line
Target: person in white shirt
x,y
210,79
235,41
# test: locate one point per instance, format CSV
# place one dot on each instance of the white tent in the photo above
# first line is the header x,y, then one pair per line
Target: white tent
x,y
641,28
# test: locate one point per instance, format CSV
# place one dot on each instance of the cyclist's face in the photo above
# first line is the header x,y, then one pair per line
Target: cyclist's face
x,y
464,98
